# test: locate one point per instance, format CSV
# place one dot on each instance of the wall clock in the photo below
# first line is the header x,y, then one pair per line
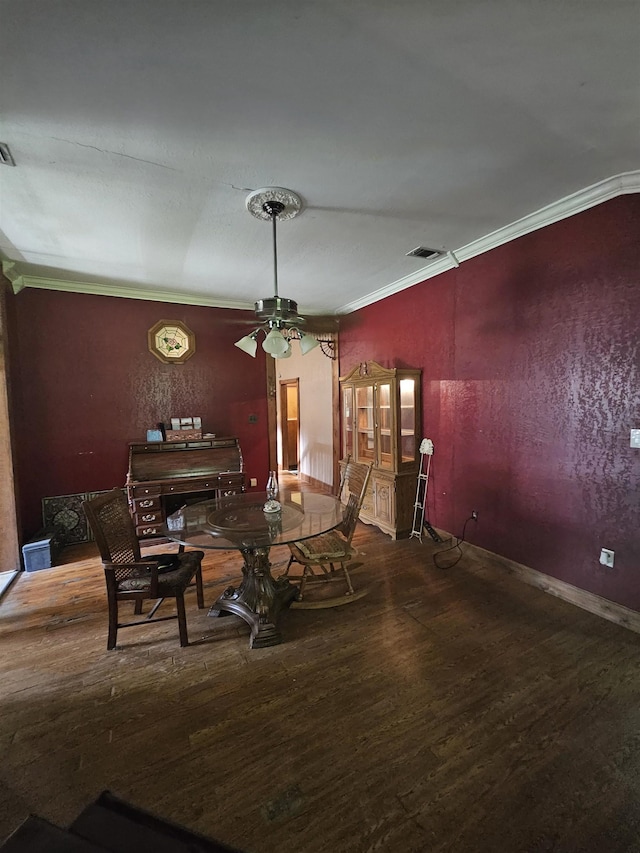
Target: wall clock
x,y
171,341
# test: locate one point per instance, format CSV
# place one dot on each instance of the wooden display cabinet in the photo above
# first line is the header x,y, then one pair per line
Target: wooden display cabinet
x,y
381,423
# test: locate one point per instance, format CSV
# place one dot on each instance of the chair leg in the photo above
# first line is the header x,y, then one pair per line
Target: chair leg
x,y
303,583
199,589
286,571
113,624
182,620
137,606
347,578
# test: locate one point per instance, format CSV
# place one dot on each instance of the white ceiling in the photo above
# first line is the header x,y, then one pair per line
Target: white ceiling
x,y
139,128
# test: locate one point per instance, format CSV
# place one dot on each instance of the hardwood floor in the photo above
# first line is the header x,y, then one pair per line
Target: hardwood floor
x,y
457,710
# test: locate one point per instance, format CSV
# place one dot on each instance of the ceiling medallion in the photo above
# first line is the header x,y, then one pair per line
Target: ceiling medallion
x,y
260,202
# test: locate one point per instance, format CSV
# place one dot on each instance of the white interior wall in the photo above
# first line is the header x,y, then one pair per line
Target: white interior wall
x,y
316,415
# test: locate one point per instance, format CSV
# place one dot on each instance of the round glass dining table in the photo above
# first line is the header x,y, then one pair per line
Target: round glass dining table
x,y
241,522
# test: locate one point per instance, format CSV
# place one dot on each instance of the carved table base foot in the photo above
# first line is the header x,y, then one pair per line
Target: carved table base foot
x,y
258,600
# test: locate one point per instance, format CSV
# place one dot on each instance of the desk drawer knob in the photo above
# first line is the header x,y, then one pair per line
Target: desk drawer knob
x,y
146,503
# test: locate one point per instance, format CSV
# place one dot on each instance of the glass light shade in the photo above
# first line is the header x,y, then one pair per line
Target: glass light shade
x,y
285,354
275,343
307,343
248,344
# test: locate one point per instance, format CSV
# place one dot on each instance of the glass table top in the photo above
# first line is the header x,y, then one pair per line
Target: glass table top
x,y
239,521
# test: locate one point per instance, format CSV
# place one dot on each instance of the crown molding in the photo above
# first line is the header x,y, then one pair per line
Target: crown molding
x,y
11,273
610,188
623,184
19,282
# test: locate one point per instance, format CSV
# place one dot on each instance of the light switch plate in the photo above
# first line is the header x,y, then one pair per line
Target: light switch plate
x,y
635,438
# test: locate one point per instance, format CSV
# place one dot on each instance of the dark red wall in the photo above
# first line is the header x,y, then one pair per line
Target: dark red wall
x,y
531,380
86,385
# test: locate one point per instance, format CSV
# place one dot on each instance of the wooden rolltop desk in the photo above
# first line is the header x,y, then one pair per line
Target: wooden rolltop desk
x,y
165,475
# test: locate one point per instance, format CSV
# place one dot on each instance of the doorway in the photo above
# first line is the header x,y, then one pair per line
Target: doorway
x,y
318,409
290,423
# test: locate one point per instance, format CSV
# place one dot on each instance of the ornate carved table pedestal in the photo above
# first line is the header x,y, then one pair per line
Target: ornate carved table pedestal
x,y
240,522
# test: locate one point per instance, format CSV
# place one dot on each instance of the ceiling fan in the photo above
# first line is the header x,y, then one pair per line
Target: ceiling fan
x,y
277,316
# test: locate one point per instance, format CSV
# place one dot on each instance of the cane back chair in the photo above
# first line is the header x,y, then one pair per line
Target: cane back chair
x,y
129,577
323,558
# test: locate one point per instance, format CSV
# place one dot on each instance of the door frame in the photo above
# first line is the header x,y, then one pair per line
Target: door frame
x,y
284,422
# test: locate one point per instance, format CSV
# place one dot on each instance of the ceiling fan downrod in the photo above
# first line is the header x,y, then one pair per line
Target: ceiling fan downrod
x,y
274,208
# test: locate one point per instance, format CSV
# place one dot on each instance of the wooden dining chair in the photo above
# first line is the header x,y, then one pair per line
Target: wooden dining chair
x,y
129,577
323,559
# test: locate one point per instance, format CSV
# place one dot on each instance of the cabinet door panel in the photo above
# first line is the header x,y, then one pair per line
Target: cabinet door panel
x,y
365,425
384,423
408,421
383,497
347,421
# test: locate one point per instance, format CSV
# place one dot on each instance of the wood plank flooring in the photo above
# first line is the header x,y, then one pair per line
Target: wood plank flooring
x,y
457,710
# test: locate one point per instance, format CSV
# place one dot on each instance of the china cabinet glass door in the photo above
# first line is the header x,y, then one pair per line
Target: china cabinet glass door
x,y
365,435
408,425
347,420
385,425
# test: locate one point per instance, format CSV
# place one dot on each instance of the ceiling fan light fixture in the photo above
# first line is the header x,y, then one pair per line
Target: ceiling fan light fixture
x,y
275,343
286,354
307,343
248,344
278,317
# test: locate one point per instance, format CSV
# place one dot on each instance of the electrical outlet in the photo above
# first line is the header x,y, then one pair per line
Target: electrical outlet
x,y
253,482
474,514
606,557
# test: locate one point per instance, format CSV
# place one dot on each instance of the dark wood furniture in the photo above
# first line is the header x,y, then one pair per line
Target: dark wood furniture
x,y
165,475
128,576
239,521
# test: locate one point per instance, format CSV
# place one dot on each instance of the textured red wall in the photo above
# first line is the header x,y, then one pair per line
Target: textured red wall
x,y
531,380
87,385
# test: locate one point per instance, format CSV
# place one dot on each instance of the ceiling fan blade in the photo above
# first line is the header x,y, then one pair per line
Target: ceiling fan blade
x,y
320,323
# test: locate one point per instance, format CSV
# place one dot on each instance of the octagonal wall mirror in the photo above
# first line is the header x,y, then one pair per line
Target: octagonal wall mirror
x,y
171,341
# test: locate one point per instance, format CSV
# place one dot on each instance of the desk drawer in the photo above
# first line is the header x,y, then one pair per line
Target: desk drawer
x,y
147,504
150,516
148,530
145,491
231,481
195,485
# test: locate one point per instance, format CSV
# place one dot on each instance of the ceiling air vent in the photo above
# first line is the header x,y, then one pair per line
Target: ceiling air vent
x,y
424,252
5,155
